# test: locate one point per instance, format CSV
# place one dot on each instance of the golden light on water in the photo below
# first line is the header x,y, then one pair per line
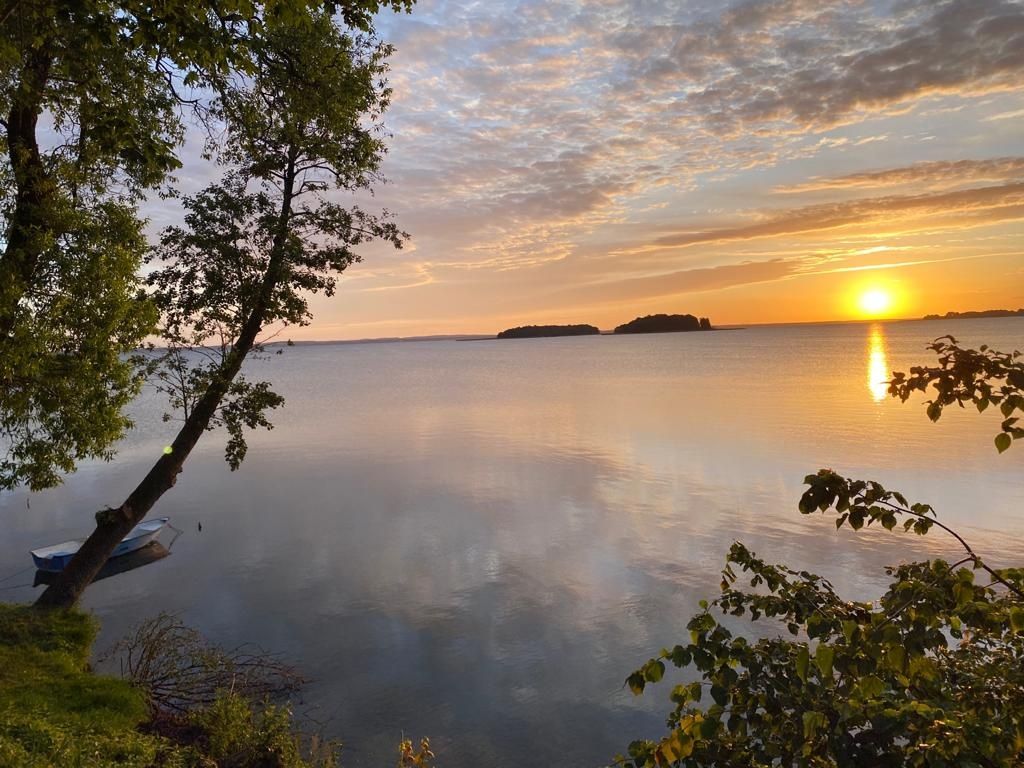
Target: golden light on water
x,y
878,364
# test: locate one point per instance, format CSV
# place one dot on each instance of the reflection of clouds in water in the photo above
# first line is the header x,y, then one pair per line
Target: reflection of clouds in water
x,y
878,368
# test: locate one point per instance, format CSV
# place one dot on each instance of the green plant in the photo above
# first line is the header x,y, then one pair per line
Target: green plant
x,y
413,757
239,734
53,710
931,674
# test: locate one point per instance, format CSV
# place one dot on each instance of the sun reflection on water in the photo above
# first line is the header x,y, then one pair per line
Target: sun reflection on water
x,y
878,365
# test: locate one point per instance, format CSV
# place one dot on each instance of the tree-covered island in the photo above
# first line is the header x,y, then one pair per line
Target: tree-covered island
x,y
665,324
545,331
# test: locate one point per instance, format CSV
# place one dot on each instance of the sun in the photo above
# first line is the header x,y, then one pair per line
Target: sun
x,y
875,301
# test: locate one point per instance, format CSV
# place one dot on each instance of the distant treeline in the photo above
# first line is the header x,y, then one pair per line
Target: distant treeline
x,y
982,313
539,331
648,324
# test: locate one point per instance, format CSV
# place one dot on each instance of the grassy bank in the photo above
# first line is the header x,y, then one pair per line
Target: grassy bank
x,y
54,711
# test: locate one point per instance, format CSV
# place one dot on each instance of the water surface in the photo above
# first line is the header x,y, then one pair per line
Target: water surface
x,y
477,541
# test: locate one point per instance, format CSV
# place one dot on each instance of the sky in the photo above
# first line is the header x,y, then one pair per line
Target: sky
x,y
757,161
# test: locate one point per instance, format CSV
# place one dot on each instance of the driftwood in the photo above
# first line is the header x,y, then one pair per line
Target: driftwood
x,y
180,670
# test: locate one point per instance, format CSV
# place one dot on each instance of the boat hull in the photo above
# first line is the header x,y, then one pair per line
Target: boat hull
x,y
56,558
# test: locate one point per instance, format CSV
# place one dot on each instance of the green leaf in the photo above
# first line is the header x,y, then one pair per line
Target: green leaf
x,y
636,683
823,657
1002,441
803,657
653,671
1017,619
896,656
720,695
849,628
680,656
813,721
677,746
869,687
680,694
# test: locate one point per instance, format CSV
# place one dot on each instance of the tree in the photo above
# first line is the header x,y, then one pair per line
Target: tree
x,y
253,246
932,674
108,79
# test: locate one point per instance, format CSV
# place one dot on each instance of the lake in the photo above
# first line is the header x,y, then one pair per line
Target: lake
x,y
478,541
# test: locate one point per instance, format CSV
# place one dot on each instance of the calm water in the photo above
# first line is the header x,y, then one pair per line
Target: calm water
x,y
477,541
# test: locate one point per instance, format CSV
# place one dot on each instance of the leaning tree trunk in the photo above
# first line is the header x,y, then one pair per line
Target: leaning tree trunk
x,y
30,228
113,524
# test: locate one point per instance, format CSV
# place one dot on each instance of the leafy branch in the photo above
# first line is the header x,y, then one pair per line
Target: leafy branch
x,y
861,502
983,377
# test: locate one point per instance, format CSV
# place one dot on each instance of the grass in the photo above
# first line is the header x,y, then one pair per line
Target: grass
x,y
54,711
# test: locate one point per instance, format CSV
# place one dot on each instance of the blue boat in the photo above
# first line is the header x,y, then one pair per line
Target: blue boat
x,y
56,557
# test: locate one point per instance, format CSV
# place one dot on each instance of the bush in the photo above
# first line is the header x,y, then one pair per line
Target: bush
x,y
932,674
239,735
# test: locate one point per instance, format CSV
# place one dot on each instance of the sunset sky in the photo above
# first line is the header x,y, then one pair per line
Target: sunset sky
x,y
767,161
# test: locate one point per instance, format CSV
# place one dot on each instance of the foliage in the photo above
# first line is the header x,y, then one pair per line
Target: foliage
x,y
931,674
301,125
112,81
984,377
64,378
69,297
239,735
255,245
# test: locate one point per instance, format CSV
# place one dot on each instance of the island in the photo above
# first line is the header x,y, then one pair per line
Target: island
x,y
981,313
665,324
544,331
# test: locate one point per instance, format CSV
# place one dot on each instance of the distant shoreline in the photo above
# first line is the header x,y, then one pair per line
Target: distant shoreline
x,y
972,315
725,327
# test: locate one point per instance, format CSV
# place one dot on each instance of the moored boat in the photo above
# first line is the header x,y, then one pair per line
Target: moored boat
x,y
56,557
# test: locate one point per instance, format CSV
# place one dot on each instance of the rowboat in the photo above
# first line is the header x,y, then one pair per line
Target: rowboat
x,y
56,557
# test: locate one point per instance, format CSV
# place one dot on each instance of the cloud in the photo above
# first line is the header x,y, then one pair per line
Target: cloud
x,y
932,174
971,207
539,121
819,64
1017,114
682,281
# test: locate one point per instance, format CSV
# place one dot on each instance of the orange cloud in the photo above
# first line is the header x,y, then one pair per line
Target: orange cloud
x,y
973,206
936,174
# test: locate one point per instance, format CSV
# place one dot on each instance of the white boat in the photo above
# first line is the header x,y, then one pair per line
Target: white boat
x,y
55,557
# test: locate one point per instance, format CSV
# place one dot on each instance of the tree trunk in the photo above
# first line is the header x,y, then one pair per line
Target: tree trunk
x,y
30,227
113,524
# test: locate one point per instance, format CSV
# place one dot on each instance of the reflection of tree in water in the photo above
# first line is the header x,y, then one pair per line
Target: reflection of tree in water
x,y
878,364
